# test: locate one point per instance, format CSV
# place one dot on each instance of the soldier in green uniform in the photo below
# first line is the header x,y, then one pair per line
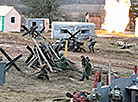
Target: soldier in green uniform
x,y
91,45
116,95
62,63
87,68
94,96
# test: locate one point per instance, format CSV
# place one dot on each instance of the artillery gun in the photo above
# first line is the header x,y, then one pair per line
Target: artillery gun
x,y
73,43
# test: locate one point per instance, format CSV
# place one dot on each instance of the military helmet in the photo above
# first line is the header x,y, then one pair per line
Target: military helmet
x,y
82,58
61,54
87,58
117,87
57,41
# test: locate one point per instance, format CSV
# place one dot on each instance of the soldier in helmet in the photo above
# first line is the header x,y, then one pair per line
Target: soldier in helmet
x,y
94,96
62,63
44,73
91,45
87,68
116,95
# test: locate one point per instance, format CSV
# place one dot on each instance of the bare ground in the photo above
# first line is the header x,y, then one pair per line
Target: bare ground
x,y
20,87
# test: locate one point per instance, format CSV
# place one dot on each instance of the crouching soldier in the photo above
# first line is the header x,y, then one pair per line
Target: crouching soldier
x,y
62,63
43,74
87,68
94,96
91,45
116,95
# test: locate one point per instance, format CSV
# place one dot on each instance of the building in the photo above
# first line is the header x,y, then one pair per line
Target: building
x,y
10,19
40,22
59,29
96,18
136,27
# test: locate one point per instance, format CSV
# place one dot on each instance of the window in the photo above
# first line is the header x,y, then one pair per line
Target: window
x,y
12,19
84,31
63,31
33,24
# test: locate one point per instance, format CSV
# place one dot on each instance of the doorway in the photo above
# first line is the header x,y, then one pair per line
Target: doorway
x,y
33,24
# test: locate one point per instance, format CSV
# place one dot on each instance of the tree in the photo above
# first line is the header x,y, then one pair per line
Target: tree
x,y
133,13
42,8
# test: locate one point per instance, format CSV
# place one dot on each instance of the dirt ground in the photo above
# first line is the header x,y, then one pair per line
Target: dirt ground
x,y
20,87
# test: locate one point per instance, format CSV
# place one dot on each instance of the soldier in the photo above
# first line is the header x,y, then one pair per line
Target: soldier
x,y
91,45
57,46
43,74
62,63
116,95
94,96
87,68
71,45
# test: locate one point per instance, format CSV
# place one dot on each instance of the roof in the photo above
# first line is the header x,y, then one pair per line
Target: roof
x,y
72,23
93,13
4,10
133,87
35,18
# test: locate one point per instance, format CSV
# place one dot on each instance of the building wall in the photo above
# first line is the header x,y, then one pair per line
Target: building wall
x,y
12,27
96,20
39,22
46,24
59,29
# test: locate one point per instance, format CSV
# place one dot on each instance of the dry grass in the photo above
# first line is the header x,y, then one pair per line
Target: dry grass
x,y
21,88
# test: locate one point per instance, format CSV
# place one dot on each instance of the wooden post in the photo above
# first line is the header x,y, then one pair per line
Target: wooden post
x,y
135,69
38,56
66,48
46,45
42,54
53,51
107,80
109,72
8,57
32,61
